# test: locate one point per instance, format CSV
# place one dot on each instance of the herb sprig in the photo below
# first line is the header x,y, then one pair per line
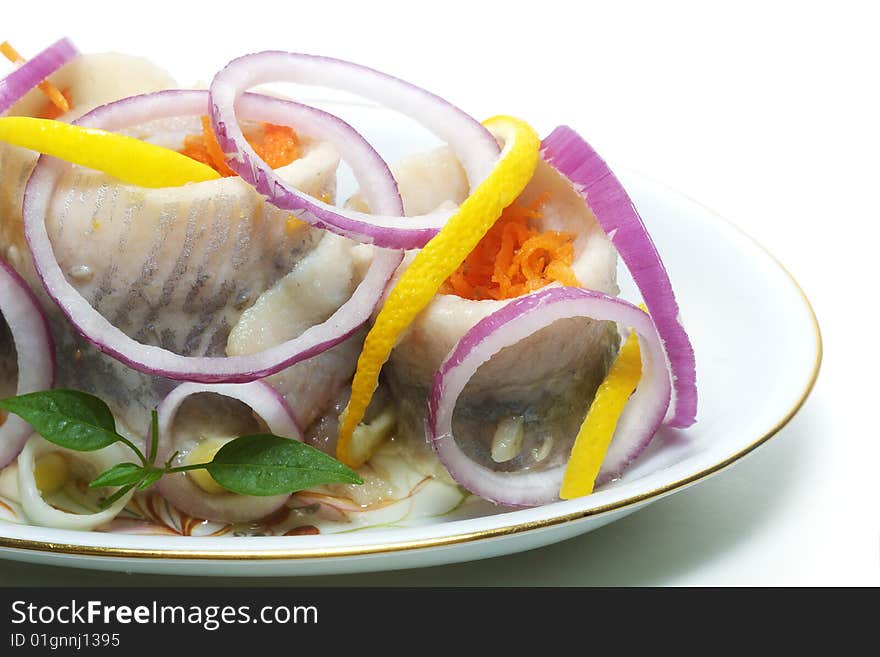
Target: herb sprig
x,y
258,464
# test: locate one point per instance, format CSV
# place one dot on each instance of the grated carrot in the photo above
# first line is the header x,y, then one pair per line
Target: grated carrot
x,y
514,258
52,111
194,147
60,100
277,145
215,153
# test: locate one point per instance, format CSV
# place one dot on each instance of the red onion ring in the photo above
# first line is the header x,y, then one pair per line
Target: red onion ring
x,y
27,76
41,512
517,320
369,169
474,146
35,353
591,177
182,492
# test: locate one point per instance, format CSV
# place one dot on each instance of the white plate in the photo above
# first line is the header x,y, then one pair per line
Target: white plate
x,y
758,352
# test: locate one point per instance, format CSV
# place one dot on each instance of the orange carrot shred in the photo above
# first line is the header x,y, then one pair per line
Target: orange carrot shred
x,y
59,99
278,145
514,258
215,153
52,110
194,147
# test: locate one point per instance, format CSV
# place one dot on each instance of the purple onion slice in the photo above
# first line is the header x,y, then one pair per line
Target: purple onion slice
x,y
474,146
516,321
575,159
35,353
27,76
41,512
369,168
180,489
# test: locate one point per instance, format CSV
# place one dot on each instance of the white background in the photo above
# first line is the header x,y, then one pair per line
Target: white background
x,y
765,112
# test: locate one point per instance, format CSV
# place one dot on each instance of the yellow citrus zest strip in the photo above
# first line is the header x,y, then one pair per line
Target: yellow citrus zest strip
x,y
131,160
433,264
594,436
45,86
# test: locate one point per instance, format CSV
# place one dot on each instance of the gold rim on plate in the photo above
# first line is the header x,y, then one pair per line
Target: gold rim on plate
x,y
29,545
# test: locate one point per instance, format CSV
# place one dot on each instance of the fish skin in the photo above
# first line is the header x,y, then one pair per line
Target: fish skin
x,y
176,267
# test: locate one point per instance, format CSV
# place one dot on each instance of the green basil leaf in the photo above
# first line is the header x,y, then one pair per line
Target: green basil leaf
x,y
152,477
264,464
119,475
69,418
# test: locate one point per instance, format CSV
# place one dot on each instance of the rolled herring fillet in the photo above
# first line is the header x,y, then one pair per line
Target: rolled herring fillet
x,y
170,267
527,402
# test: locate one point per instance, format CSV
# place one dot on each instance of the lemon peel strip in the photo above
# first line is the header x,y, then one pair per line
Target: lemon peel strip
x,y
597,430
130,160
